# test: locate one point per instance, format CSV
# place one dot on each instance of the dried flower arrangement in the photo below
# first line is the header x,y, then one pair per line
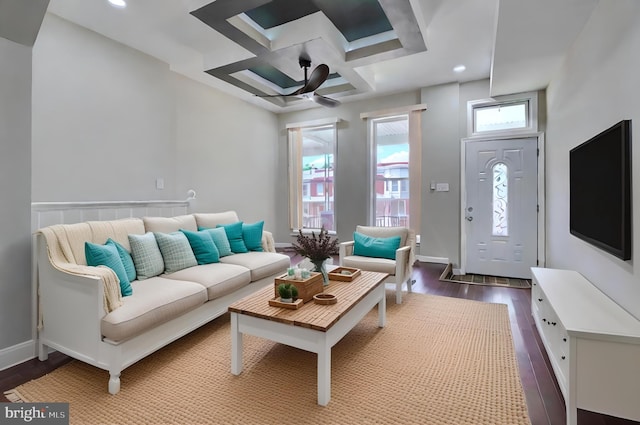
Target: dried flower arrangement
x,y
316,248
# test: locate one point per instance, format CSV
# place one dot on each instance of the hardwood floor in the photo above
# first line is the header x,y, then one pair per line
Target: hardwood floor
x,y
544,400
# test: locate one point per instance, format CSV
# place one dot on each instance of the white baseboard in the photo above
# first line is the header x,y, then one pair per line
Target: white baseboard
x,y
283,245
428,259
17,354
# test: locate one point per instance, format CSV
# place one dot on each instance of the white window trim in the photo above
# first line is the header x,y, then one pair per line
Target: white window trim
x,y
293,203
531,100
413,113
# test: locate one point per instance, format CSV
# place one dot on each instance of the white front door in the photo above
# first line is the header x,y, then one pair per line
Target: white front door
x,y
501,207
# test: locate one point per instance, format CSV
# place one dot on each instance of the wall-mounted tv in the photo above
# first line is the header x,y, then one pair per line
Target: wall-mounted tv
x,y
600,190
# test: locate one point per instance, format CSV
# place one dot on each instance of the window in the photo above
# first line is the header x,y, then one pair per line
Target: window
x,y
395,142
391,149
311,174
500,200
512,114
500,117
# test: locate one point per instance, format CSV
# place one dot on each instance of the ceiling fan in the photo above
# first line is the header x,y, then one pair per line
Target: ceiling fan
x,y
311,83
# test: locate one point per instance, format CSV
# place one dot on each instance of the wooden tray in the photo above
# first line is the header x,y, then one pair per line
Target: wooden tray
x,y
336,274
291,306
325,299
307,288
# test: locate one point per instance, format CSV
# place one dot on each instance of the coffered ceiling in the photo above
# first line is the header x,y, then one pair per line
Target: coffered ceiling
x,y
251,48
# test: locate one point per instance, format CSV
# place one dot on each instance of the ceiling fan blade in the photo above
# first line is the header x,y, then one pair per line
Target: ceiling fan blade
x,y
318,76
325,101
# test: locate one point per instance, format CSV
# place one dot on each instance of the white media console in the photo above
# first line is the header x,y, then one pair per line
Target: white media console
x,y
592,343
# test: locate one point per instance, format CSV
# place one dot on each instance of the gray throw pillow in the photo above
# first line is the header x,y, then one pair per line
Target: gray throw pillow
x,y
176,251
146,255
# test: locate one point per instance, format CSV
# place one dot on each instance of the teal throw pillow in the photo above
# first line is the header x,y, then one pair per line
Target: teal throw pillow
x,y
125,256
252,235
368,246
107,255
176,251
146,255
234,234
219,236
203,247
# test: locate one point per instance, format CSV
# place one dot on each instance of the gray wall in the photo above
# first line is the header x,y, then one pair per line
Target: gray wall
x,y
15,184
443,125
85,118
20,22
597,87
351,161
110,120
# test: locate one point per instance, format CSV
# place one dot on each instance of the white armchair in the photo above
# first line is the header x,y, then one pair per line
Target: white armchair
x,y
400,269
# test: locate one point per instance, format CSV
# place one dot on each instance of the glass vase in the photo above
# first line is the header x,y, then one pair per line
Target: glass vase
x,y
319,266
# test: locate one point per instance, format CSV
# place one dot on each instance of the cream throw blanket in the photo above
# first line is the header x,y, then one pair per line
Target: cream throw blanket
x,y
61,258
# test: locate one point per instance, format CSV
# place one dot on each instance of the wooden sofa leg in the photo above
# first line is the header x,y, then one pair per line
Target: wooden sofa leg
x,y
114,383
399,293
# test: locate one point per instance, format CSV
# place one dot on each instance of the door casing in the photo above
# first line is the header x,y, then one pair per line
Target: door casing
x,y
541,195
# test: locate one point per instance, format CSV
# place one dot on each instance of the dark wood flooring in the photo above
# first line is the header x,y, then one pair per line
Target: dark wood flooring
x,y
544,400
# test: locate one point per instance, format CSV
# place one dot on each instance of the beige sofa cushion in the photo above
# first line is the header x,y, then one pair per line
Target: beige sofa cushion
x,y
170,224
116,230
211,220
261,264
154,301
219,279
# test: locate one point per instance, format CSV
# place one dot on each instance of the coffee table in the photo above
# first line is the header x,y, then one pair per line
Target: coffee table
x,y
312,327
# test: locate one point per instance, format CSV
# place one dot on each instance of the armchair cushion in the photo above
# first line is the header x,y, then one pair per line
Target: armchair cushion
x,y
369,246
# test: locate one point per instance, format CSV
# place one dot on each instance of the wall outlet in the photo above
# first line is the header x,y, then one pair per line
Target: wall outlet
x,y
159,183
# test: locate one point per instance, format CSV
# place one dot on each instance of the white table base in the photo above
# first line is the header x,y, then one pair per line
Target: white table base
x,y
304,338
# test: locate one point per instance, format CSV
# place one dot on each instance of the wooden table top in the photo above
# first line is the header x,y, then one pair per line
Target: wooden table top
x,y
311,315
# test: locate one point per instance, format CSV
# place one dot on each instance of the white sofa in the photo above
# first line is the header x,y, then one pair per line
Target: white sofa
x,y
82,313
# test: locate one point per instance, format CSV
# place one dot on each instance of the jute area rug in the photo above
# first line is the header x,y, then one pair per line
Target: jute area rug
x,y
480,279
438,361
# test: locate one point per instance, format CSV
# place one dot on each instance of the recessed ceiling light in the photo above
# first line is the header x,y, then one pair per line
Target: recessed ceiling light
x,y
118,3
459,68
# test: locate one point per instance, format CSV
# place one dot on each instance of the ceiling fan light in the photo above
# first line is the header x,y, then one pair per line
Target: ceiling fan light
x,y
121,4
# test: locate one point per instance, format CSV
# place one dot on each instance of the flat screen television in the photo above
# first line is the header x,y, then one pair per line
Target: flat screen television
x,y
600,190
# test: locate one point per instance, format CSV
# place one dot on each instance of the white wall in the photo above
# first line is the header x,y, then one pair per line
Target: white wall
x,y
15,184
597,87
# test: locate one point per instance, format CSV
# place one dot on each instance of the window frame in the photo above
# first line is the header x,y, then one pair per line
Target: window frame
x,y
414,117
295,168
530,100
